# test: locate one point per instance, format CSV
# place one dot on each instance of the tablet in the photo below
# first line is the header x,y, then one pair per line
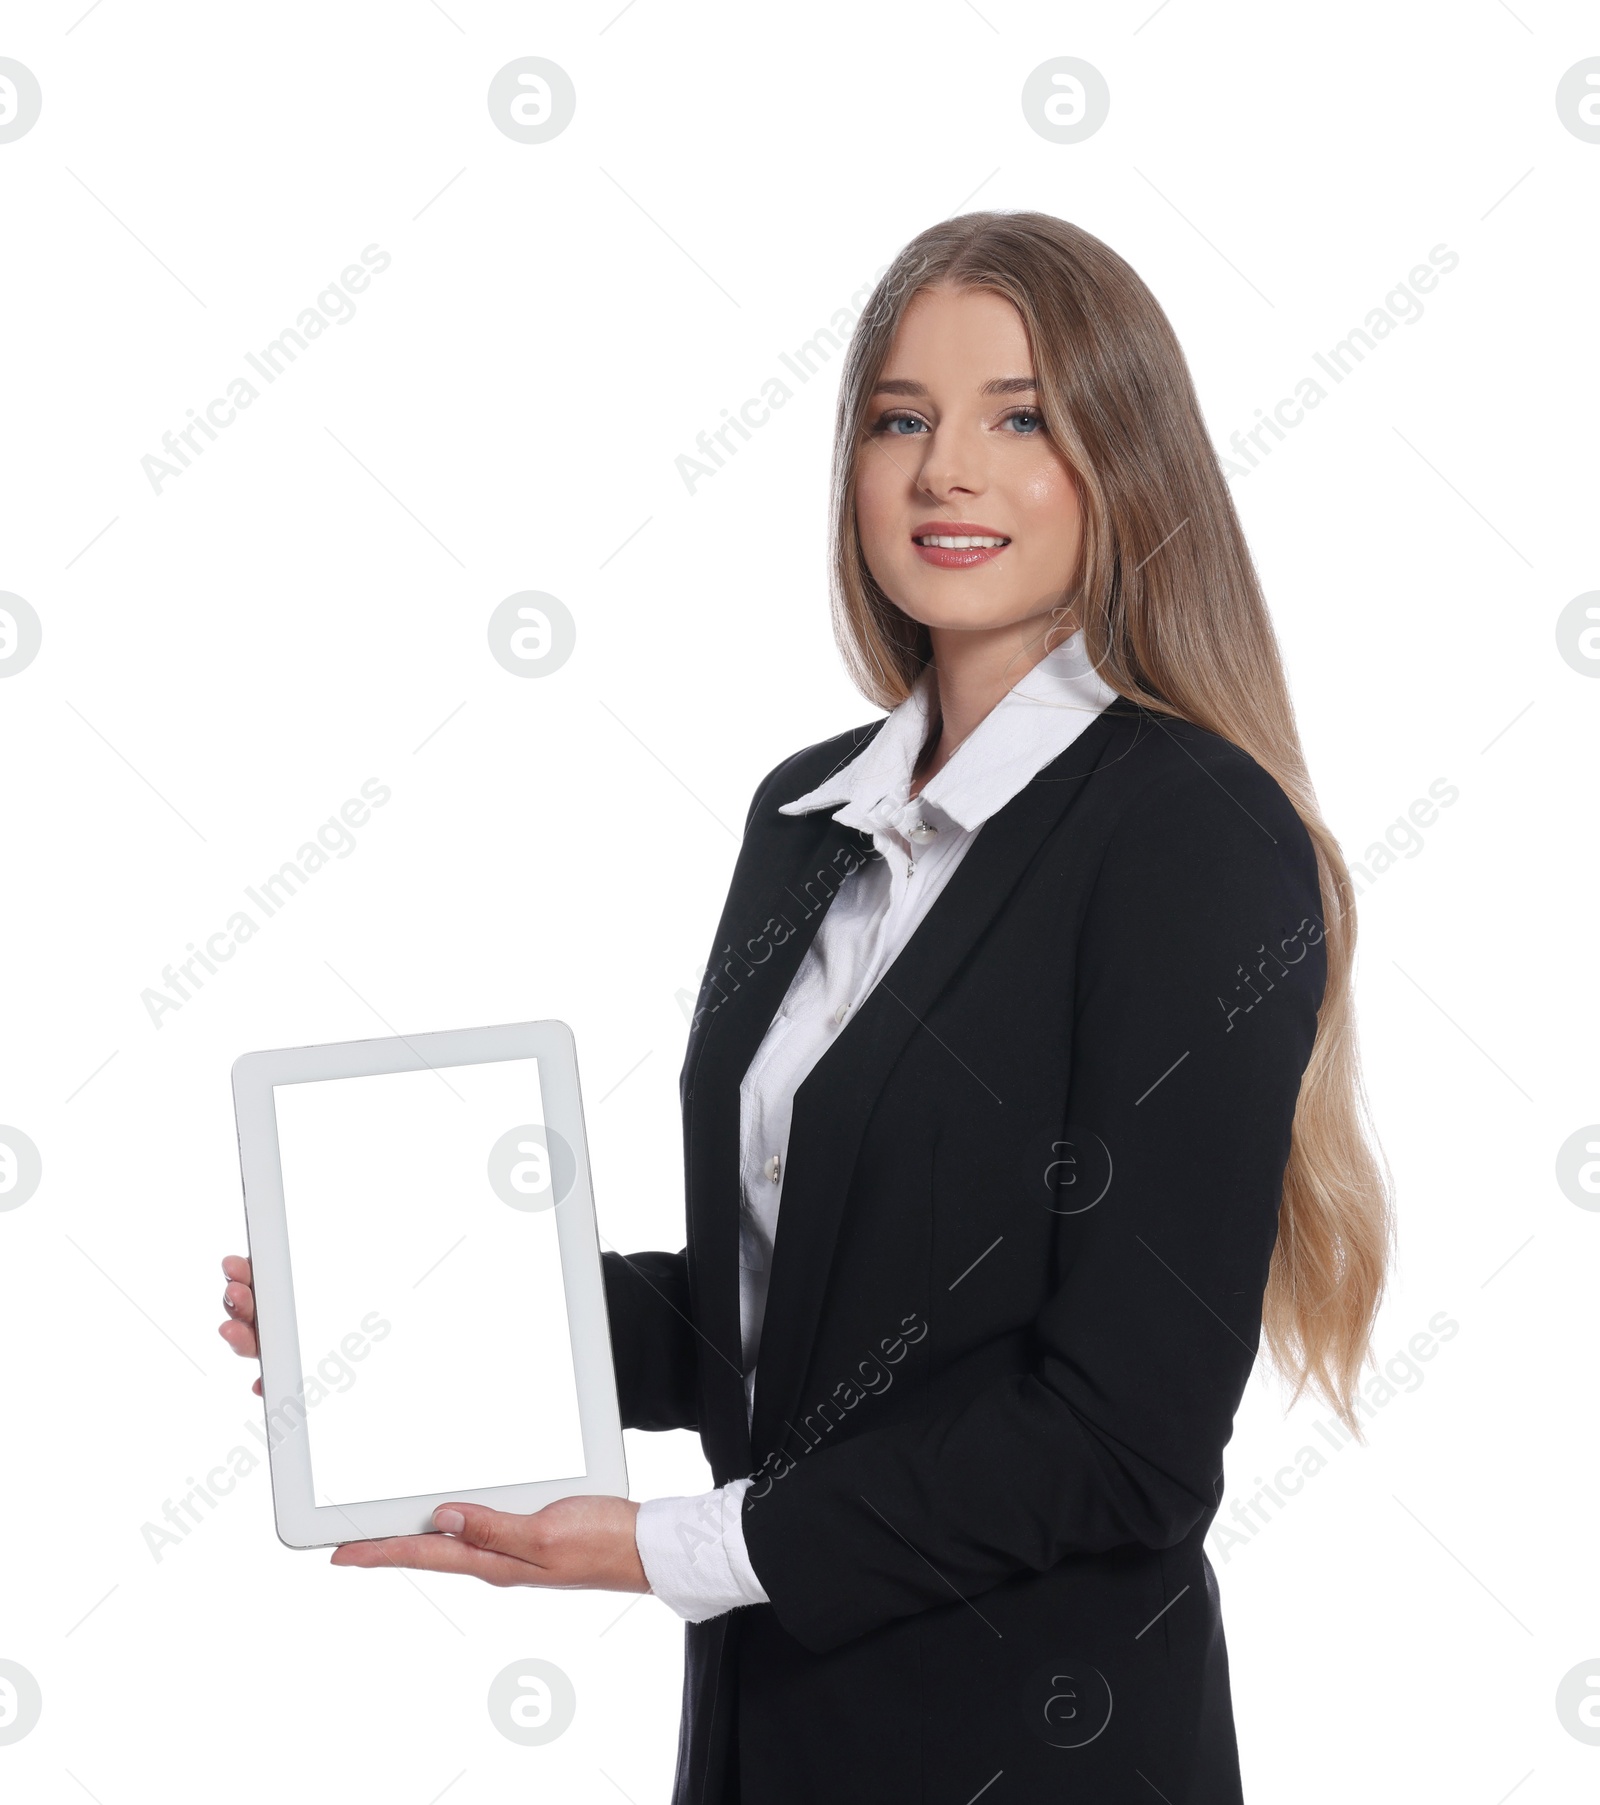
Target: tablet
x,y
430,1304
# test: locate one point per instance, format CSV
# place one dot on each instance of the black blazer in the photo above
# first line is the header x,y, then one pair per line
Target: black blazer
x,y
1030,1197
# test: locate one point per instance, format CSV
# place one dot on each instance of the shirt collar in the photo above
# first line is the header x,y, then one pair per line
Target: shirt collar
x,y
1033,723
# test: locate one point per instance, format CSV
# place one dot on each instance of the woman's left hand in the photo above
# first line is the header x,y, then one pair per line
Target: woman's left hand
x,y
573,1543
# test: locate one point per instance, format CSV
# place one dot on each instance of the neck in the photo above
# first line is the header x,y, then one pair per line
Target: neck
x,y
972,672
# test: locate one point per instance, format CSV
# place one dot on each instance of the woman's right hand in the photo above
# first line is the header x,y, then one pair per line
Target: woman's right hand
x,y
239,1300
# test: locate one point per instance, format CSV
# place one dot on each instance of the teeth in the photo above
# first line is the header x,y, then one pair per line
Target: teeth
x,y
952,542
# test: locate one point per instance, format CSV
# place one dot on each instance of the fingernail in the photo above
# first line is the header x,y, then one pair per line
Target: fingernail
x,y
450,1521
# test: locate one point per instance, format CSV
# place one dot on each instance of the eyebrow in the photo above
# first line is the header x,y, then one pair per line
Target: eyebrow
x,y
1001,385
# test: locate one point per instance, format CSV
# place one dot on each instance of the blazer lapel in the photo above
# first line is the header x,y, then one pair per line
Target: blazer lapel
x,y
832,1106
762,938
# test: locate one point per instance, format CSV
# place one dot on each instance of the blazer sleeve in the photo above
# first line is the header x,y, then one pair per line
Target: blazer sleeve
x,y
1200,971
652,1339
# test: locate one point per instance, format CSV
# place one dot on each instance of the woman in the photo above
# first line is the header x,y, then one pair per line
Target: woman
x,y
1031,1007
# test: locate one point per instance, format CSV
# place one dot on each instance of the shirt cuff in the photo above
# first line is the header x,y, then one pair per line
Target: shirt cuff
x,y
693,1553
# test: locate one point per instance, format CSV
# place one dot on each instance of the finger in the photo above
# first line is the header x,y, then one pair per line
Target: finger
x,y
256,1388
239,1301
437,1554
523,1538
240,1336
236,1266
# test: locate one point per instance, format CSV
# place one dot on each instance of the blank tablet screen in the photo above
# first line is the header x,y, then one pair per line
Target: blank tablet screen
x,y
427,1282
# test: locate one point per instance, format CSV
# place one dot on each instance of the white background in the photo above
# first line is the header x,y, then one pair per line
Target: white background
x,y
226,662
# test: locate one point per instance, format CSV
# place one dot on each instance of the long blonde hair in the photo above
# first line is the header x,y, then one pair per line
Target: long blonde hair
x,y
1173,619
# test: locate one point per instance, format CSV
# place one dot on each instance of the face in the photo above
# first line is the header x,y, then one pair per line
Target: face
x,y
956,449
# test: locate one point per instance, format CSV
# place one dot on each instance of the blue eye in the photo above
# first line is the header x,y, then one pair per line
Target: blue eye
x,y
905,426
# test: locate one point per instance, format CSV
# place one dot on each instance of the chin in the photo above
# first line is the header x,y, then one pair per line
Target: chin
x,y
954,615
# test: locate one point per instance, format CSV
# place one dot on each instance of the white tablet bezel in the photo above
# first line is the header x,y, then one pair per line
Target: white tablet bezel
x,y
301,1521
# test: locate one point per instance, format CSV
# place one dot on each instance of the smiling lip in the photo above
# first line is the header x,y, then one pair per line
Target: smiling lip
x,y
957,557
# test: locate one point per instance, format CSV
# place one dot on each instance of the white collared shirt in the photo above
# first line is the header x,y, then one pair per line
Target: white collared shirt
x,y
692,1549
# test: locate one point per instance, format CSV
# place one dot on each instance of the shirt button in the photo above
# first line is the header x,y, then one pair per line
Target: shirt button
x,y
774,1168
841,1012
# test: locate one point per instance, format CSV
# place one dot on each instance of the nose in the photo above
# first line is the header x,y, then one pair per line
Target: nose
x,y
951,463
